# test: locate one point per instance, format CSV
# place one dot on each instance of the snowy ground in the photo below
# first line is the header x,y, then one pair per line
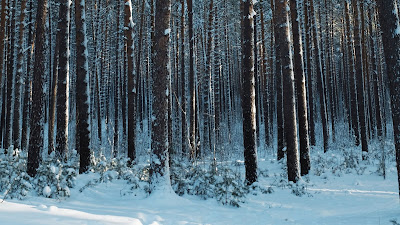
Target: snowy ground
x,y
331,198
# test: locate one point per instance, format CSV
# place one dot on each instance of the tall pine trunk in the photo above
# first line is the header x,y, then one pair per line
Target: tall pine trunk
x,y
159,170
289,105
128,27
82,87
389,21
19,79
301,91
63,81
248,94
359,78
36,122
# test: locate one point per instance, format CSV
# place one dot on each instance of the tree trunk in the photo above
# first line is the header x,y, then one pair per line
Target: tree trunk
x,y
192,90
278,84
351,75
36,122
308,53
248,95
63,82
360,81
28,82
389,21
128,24
19,79
10,76
289,105
159,170
82,87
319,74
301,91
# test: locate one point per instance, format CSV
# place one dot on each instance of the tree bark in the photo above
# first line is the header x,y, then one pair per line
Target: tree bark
x,y
192,90
63,82
359,76
301,91
82,87
128,27
19,79
389,21
36,122
248,94
290,128
159,170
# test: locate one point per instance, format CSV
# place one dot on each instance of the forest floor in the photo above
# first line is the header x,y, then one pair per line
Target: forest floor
x,y
333,193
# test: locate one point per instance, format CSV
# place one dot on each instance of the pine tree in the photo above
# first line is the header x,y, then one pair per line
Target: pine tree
x,y
248,94
359,78
82,87
36,122
301,91
389,21
159,170
289,110
192,89
128,24
19,79
63,81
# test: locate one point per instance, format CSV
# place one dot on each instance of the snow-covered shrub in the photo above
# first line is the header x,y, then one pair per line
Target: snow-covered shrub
x,y
201,182
14,180
213,181
179,171
54,178
257,188
299,188
229,188
20,187
117,169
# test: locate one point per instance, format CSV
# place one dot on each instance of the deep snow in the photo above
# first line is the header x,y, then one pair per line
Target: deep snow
x,y
347,196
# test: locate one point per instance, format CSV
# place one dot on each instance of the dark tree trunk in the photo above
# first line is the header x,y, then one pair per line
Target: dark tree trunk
x,y
82,87
159,170
27,87
308,53
183,82
289,105
389,21
192,90
301,92
53,97
63,82
10,76
36,122
319,74
360,81
18,79
351,75
248,95
375,76
278,84
128,24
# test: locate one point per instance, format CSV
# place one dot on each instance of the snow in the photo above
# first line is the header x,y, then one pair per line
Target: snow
x,y
347,198
47,191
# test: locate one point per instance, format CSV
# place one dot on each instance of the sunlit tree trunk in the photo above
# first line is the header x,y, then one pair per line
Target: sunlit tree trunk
x,y
248,94
289,105
301,91
159,169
